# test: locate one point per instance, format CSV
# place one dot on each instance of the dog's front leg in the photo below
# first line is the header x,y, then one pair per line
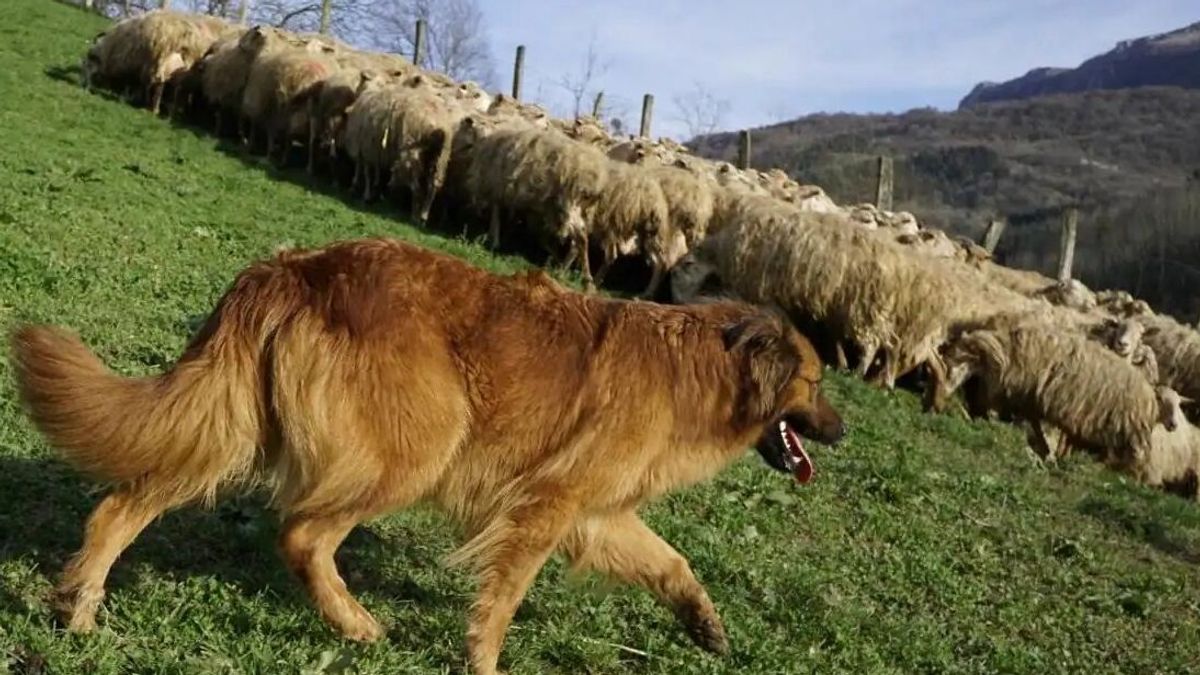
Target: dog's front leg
x,y
509,553
623,547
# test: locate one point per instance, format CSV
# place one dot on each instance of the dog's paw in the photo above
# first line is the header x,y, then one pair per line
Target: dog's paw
x,y
76,608
709,634
705,628
360,626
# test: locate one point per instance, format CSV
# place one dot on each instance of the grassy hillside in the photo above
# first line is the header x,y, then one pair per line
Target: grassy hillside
x,y
924,543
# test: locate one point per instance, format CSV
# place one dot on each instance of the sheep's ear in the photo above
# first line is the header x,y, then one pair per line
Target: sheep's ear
x,y
1186,399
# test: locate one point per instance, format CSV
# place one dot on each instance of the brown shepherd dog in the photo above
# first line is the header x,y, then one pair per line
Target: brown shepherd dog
x,y
362,377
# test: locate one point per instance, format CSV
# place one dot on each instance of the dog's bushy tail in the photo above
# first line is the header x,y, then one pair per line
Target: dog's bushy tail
x,y
180,434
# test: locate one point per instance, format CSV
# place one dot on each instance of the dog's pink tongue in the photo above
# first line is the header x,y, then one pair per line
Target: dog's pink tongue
x,y
804,466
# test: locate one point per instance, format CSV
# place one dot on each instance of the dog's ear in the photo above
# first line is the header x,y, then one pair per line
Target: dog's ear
x,y
768,362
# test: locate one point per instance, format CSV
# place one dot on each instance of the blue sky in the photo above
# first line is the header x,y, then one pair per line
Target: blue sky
x,y
774,60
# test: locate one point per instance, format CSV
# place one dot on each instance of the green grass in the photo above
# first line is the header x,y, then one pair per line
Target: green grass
x,y
925,544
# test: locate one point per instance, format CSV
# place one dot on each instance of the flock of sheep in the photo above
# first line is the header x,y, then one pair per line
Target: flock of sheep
x,y
1096,371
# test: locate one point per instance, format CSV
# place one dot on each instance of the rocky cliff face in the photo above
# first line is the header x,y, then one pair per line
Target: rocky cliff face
x,y
1169,59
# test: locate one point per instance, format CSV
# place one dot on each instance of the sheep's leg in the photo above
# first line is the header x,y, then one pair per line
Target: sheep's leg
x,y
604,267
494,228
176,95
842,363
868,350
1039,448
358,172
569,258
585,266
656,278
156,94
369,175
934,399
312,145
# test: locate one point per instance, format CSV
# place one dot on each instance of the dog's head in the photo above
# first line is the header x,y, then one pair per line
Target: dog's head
x,y
780,392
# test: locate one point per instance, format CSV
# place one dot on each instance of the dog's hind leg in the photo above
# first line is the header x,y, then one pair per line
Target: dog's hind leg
x,y
307,544
509,552
623,547
111,528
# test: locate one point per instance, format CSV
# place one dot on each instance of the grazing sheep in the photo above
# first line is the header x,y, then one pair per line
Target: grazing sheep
x,y
1177,348
631,215
226,66
864,290
365,134
1069,293
150,50
1044,375
540,176
422,135
689,201
277,92
504,106
586,129
1122,304
1025,282
1174,460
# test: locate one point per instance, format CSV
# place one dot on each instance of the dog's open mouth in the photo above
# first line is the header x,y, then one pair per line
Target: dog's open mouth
x,y
794,456
783,450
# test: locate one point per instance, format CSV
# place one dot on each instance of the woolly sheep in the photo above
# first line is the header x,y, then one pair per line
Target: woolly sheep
x,y
277,91
631,215
1046,375
150,50
542,177
422,131
1177,348
1174,459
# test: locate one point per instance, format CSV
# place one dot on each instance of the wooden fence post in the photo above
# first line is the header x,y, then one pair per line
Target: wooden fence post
x,y
743,157
326,16
883,189
647,114
244,12
419,43
1066,252
166,4
518,72
598,105
991,238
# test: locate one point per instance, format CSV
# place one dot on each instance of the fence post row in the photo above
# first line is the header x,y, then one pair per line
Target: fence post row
x,y
419,43
518,72
743,157
883,189
598,104
1066,252
991,238
647,113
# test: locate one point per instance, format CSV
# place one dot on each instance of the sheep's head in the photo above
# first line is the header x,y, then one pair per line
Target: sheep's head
x,y
1125,336
255,39
1170,407
692,279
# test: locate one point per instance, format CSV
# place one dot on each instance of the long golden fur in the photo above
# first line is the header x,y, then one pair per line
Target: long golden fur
x,y
366,376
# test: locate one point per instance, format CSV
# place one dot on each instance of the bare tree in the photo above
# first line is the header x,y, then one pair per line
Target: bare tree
x,y
700,111
582,85
455,35
346,19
